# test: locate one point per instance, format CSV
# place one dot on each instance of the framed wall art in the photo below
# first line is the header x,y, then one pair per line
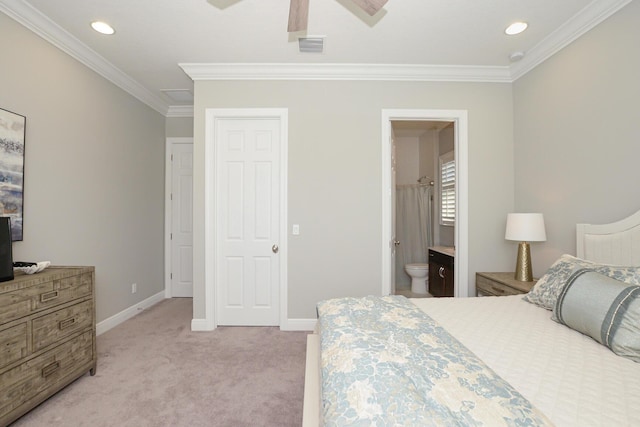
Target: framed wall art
x,y
12,136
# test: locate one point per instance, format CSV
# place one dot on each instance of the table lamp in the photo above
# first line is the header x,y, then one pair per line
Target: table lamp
x,y
525,228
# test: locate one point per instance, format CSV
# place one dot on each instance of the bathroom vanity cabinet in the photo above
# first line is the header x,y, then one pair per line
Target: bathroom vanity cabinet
x,y
441,277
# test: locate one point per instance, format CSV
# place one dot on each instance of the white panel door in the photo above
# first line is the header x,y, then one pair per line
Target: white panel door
x,y
248,225
182,220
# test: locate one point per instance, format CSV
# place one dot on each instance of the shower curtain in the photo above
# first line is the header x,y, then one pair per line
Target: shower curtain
x,y
413,228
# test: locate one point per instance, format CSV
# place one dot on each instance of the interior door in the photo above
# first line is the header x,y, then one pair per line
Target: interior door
x,y
182,220
248,224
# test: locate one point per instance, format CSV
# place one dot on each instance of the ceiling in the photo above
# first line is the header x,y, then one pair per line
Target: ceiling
x,y
154,36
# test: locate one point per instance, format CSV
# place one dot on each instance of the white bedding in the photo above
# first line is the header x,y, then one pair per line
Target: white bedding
x,y
571,378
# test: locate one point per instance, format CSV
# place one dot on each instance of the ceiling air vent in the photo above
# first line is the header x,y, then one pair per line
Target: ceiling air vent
x,y
178,95
311,44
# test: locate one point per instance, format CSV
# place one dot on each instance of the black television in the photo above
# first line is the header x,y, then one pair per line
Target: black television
x,y
6,254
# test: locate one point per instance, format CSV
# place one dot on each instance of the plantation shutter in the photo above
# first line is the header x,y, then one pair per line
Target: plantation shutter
x,y
447,189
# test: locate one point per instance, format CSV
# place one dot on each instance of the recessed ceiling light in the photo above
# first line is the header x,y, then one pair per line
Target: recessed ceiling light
x,y
102,27
516,28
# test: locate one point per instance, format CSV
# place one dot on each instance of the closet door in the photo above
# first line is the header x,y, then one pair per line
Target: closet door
x,y
248,226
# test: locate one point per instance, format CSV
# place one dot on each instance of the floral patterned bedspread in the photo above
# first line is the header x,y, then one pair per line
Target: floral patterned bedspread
x,y
386,363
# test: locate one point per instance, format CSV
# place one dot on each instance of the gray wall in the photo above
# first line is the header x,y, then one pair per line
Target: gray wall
x,y
427,154
446,143
176,127
94,170
562,140
408,156
577,134
335,176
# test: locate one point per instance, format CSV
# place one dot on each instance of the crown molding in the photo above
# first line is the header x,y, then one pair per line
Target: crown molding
x,y
378,72
44,27
588,18
180,111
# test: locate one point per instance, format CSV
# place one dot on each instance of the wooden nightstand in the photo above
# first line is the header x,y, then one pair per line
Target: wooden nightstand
x,y
501,284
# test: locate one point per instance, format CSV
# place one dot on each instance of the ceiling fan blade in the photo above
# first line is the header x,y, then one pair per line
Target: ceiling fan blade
x,y
370,6
298,15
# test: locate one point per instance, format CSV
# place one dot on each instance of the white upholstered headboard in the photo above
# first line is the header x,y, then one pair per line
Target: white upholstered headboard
x,y
617,243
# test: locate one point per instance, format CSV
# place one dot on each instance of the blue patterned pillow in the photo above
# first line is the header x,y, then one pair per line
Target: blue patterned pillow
x,y
603,308
545,292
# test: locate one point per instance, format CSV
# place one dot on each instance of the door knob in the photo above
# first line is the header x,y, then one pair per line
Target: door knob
x,y
396,242
275,249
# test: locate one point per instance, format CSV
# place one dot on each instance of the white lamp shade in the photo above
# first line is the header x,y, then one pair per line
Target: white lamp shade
x,y
525,227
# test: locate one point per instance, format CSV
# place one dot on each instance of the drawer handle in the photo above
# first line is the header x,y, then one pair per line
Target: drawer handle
x,y
50,369
441,272
63,324
499,290
48,296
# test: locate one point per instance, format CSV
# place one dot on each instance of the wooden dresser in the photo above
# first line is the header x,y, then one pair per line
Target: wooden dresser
x,y
47,336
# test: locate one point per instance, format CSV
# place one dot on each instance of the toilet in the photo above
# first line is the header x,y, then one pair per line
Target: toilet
x,y
418,273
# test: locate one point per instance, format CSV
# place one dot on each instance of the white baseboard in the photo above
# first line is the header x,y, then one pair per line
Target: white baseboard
x,y
201,325
128,313
299,325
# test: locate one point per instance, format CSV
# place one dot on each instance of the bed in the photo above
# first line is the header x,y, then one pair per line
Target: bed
x,y
572,370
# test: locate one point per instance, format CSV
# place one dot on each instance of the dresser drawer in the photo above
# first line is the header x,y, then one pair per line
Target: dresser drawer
x,y
59,324
490,287
64,290
27,383
16,304
501,283
13,344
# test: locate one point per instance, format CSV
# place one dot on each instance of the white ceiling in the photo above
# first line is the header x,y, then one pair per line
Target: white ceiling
x,y
154,36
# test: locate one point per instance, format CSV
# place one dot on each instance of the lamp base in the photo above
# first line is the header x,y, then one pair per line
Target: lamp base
x,y
524,272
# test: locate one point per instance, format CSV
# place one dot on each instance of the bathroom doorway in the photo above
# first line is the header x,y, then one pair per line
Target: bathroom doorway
x,y
413,143
419,147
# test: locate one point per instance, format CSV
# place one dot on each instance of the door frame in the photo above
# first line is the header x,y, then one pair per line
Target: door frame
x,y
168,211
212,115
461,235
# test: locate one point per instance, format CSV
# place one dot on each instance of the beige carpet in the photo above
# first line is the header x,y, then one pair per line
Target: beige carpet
x,y
153,371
